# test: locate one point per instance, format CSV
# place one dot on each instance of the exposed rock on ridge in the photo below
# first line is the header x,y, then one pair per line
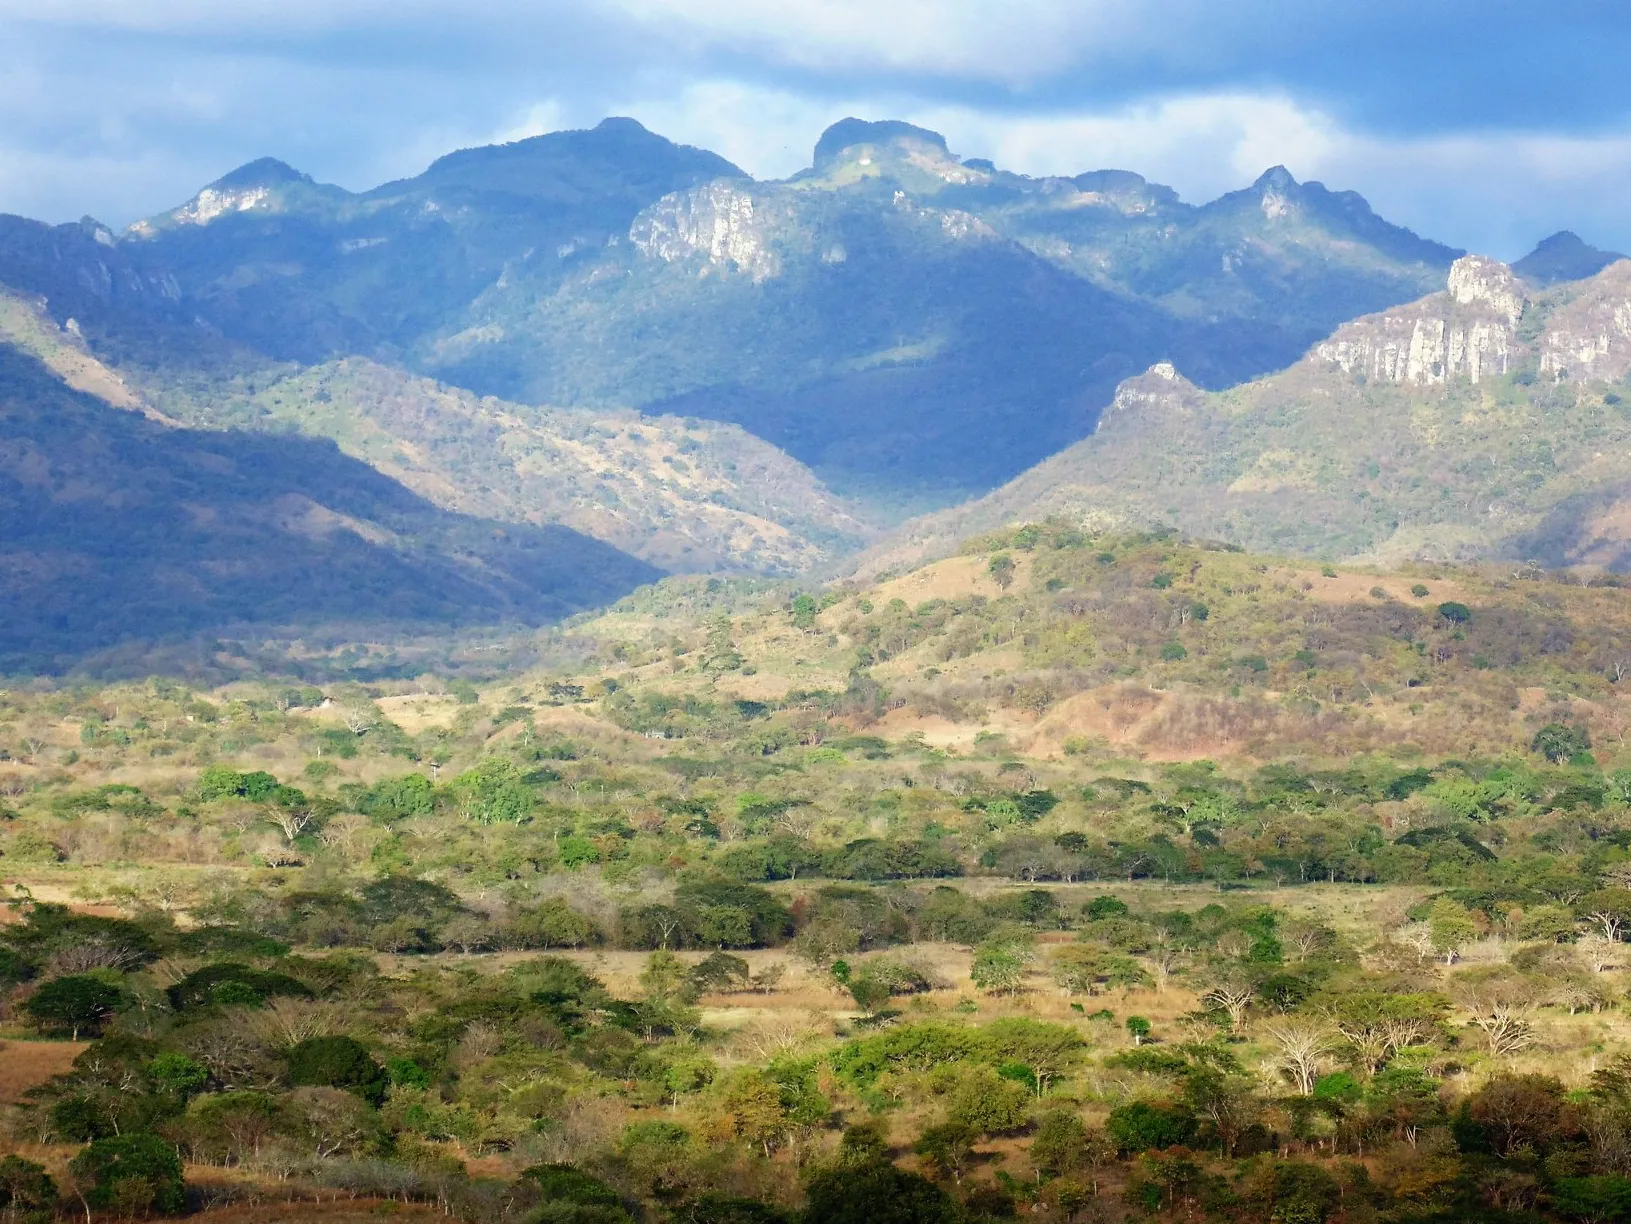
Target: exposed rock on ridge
x,y
717,220
1465,332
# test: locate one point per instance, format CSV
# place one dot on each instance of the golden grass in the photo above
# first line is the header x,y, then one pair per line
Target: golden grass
x,y
28,1064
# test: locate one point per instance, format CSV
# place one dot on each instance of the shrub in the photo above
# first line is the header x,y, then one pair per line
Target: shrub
x,y
337,1062
132,1173
566,1184
875,1193
232,983
1141,1126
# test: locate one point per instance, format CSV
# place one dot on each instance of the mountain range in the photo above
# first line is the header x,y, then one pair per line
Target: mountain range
x,y
882,316
603,340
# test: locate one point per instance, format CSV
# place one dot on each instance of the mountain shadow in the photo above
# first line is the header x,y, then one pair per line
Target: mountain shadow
x,y
120,530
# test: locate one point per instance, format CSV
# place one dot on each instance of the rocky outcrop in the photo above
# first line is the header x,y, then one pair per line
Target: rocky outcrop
x,y
1159,391
1467,332
718,221
1477,279
1590,336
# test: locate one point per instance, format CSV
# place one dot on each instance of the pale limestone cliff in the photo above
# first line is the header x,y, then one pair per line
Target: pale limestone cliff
x,y
718,220
1159,391
1478,279
1466,332
1590,336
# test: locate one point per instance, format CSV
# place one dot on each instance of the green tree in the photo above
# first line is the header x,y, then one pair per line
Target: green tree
x,y
26,1189
1451,928
75,1004
137,1172
805,609
946,1147
493,793
1061,1142
338,1062
1144,1125
1600,1199
1001,569
877,1193
176,1074
719,653
1559,742
870,993
987,1103
999,968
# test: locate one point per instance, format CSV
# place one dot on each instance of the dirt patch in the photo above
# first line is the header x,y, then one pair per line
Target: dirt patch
x,y
953,578
28,1064
1356,588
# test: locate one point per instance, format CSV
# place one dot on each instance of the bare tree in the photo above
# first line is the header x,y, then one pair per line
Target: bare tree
x,y
1600,953
1500,1006
1418,937
1232,997
291,821
285,1022
360,717
1163,958
343,833
1308,939
1303,1047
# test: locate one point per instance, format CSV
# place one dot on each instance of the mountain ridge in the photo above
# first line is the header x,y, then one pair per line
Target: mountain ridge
x,y
1476,422
875,315
124,533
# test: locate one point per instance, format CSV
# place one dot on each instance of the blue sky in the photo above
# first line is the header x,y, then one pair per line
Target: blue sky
x,y
1486,125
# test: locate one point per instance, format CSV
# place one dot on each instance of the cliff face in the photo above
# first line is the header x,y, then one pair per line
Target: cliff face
x,y
1466,332
719,221
1589,336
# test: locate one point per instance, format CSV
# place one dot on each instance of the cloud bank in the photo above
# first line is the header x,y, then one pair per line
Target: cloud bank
x,y
1484,125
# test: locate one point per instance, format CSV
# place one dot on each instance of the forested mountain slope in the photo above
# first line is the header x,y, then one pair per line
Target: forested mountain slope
x,y
1477,422
123,532
881,316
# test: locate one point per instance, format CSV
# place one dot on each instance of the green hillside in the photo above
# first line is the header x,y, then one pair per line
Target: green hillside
x,y
681,493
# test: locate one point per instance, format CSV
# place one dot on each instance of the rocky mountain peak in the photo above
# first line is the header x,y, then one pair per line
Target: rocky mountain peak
x,y
848,133
1277,191
254,185
1158,390
1275,178
262,172
1478,279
